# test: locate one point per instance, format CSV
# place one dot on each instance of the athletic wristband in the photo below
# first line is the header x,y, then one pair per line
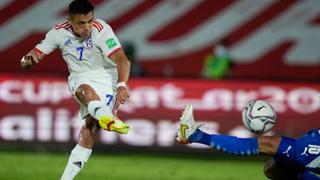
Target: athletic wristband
x,y
121,84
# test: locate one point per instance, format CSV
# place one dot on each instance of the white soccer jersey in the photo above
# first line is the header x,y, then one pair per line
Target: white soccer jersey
x,y
89,55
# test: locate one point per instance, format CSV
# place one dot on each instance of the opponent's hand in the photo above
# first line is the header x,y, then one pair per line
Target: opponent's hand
x,y
122,94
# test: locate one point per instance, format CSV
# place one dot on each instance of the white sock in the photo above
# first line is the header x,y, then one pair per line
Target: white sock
x,y
97,109
79,155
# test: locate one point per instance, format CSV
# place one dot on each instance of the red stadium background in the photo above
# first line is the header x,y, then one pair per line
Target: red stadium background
x,y
269,40
42,109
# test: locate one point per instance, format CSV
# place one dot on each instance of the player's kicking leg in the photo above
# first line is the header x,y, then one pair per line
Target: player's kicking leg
x,y
113,123
100,111
108,122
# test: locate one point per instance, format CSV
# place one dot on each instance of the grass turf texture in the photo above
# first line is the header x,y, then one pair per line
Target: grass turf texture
x,y
29,165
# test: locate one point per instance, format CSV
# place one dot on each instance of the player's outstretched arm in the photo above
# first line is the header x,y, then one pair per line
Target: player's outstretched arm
x,y
30,59
123,67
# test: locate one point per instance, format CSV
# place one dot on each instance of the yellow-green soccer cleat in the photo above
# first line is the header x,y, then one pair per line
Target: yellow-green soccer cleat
x,y
113,124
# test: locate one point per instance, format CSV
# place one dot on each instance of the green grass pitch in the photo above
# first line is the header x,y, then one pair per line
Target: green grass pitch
x,y
127,166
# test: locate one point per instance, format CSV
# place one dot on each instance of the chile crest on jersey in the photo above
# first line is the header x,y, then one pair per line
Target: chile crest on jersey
x,y
89,42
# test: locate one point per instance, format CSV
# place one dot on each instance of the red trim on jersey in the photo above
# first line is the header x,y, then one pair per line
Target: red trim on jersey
x,y
64,25
114,51
97,25
38,51
61,24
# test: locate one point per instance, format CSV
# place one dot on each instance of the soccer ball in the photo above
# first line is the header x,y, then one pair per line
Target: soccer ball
x,y
258,116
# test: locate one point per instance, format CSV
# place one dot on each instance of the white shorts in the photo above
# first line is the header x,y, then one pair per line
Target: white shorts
x,y
104,85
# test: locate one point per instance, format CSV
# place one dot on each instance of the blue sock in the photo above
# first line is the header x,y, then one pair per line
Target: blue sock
x,y
229,144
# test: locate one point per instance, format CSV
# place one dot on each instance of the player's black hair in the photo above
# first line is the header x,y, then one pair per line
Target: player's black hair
x,y
80,7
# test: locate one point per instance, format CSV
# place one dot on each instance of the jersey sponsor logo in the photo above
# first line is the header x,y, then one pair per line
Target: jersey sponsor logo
x,y
305,152
96,109
183,129
287,151
111,43
78,163
313,149
68,42
89,42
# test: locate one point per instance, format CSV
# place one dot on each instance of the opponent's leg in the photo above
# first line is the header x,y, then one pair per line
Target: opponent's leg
x,y
284,149
190,133
82,151
100,111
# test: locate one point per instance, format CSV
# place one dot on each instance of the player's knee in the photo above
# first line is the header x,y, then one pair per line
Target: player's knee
x,y
80,91
85,93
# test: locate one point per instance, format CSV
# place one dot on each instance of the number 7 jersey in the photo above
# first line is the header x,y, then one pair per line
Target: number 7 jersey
x,y
83,55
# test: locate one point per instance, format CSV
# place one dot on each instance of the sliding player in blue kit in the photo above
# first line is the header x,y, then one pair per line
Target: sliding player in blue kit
x,y
294,159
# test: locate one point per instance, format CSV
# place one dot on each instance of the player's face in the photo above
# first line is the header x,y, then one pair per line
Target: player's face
x,y
82,24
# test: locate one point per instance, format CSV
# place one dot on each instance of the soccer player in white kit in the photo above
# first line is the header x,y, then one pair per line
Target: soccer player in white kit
x,y
99,70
